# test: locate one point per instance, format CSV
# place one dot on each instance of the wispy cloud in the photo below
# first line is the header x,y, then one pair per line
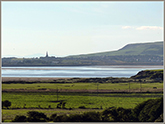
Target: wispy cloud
x,y
143,27
127,27
149,28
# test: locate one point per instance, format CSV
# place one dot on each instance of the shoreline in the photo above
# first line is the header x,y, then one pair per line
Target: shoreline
x,y
30,78
112,66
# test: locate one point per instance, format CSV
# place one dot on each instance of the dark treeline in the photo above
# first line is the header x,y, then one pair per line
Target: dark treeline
x,y
147,111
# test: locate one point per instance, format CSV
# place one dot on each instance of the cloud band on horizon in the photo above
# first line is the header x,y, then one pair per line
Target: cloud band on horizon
x,y
143,27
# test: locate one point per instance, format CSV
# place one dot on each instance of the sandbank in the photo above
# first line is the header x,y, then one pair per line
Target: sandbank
x,y
29,79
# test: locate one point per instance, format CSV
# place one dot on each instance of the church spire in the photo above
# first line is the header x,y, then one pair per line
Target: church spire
x,y
47,54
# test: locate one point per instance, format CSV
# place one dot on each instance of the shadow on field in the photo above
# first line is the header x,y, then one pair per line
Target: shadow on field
x,y
58,101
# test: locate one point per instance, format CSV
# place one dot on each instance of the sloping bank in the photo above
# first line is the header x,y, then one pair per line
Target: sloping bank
x,y
149,74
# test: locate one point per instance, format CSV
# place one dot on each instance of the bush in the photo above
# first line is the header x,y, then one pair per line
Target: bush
x,y
61,118
39,107
6,104
151,111
19,118
148,111
91,117
82,107
49,106
61,105
117,115
34,116
107,114
85,117
75,118
52,117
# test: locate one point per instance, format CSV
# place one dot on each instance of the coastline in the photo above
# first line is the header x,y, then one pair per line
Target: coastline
x,y
113,66
30,79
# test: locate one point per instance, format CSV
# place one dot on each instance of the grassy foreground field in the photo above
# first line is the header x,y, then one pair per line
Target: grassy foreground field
x,y
41,101
92,94
74,100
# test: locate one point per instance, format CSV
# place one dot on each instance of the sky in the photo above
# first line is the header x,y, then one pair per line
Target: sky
x,y
29,29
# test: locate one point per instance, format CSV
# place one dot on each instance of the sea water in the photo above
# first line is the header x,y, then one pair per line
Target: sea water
x,y
75,71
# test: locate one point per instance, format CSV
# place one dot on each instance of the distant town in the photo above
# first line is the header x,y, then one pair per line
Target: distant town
x,y
149,54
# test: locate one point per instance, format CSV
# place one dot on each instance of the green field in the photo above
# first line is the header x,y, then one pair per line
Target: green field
x,y
92,101
87,86
74,100
77,92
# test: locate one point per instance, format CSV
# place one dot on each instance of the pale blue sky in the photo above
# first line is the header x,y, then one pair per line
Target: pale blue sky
x,y
71,28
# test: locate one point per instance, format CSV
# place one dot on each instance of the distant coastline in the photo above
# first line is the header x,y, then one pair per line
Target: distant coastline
x,y
131,54
134,64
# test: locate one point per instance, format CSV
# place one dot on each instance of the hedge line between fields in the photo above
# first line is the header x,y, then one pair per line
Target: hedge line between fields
x,y
147,111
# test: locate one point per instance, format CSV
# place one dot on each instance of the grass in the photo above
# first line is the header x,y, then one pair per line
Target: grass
x,y
22,102
89,100
159,70
73,100
88,86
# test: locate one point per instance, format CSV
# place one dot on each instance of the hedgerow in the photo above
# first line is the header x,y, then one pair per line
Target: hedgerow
x,y
148,111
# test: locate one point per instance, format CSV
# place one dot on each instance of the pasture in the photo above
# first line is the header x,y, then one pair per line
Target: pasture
x,y
84,86
91,94
74,100
47,102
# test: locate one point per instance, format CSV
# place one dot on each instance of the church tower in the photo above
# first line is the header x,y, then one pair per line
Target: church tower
x,y
46,54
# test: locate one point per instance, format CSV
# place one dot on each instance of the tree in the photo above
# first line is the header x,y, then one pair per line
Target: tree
x,y
91,116
34,116
75,118
18,118
6,104
149,111
119,114
61,105
152,110
61,118
52,117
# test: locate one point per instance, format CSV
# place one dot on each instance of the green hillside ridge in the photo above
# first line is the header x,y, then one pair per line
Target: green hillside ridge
x,y
131,54
149,74
152,48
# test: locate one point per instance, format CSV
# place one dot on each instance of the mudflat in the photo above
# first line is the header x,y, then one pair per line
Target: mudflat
x,y
29,79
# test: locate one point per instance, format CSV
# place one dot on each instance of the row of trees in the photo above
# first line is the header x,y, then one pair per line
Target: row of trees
x,y
147,111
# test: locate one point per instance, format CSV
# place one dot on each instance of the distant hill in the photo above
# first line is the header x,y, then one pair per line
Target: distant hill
x,y
131,54
153,48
